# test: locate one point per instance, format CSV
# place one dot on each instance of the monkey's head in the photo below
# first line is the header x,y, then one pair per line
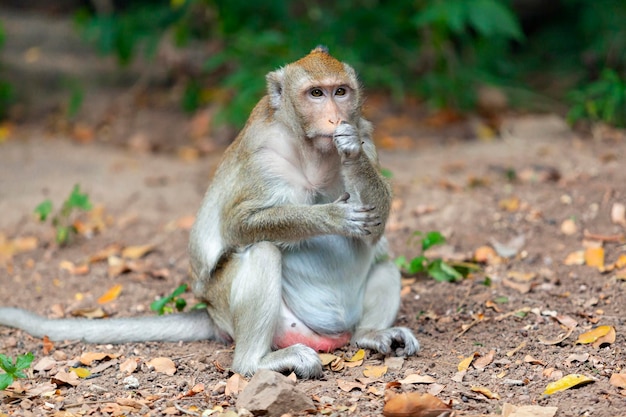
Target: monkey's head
x,y
314,95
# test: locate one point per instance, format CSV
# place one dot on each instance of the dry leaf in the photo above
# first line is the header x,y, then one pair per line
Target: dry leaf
x,y
466,362
88,358
348,386
358,356
521,276
486,392
413,404
594,334
136,252
517,349
81,372
374,371
394,362
48,345
531,360
568,227
566,321
487,255
510,410
327,358
521,287
458,377
434,389
483,361
493,305
90,313
111,294
129,365
576,357
618,380
74,269
575,258
418,379
608,338
594,257
104,254
618,214
45,364
65,378
566,382
235,384
511,204
163,365
561,337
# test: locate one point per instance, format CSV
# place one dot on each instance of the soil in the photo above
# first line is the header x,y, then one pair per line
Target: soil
x,y
442,181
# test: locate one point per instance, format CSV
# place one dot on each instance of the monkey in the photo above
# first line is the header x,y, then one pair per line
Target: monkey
x,y
288,248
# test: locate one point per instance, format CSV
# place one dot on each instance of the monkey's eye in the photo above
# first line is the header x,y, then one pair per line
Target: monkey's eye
x,y
317,92
340,91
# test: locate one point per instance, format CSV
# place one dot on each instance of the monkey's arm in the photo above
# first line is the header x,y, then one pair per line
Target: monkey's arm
x,y
195,325
249,222
360,170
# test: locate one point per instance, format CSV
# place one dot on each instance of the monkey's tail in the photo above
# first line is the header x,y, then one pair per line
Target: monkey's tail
x,y
191,326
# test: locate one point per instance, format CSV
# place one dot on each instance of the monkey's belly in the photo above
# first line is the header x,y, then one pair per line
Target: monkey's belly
x,y
323,285
291,331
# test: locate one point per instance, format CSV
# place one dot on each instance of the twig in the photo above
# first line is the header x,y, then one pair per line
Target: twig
x,y
184,411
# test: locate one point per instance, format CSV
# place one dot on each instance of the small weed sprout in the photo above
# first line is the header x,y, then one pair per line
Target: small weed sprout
x,y
13,368
62,220
168,304
437,268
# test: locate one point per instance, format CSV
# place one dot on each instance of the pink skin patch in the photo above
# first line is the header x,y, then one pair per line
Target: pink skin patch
x,y
314,341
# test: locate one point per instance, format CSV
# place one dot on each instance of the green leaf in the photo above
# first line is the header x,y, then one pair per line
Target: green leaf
x,y
401,262
442,272
5,381
501,300
23,361
7,364
386,173
178,291
159,305
180,303
491,18
63,234
199,306
43,210
431,239
78,199
417,264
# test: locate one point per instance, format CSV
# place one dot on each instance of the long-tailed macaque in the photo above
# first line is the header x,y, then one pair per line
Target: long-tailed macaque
x,y
288,248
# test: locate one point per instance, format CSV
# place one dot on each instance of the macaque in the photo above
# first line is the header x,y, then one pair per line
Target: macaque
x,y
288,248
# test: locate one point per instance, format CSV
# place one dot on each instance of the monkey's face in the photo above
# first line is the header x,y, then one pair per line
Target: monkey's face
x,y
314,95
322,107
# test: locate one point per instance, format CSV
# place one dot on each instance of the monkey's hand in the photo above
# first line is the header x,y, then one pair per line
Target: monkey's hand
x,y
347,141
356,220
398,339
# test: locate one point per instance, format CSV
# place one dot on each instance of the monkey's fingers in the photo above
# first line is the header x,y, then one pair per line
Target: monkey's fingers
x,y
298,358
385,341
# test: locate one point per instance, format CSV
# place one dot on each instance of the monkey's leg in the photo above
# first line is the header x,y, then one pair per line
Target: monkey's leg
x,y
380,306
255,302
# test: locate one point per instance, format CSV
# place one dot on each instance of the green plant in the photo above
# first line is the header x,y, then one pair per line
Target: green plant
x,y
437,268
6,90
62,220
168,304
13,368
603,100
464,44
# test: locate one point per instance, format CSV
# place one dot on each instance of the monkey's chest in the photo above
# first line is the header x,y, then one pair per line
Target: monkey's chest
x,y
323,283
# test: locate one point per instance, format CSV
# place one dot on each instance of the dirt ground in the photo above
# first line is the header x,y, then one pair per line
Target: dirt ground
x,y
560,203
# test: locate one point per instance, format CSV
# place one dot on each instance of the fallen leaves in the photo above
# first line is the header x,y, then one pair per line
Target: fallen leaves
x,y
163,365
111,294
413,404
598,336
567,382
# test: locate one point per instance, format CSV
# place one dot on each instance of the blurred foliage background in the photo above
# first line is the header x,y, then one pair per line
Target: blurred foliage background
x,y
440,51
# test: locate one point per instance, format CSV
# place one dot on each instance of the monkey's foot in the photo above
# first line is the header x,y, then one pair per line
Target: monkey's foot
x,y
398,339
301,359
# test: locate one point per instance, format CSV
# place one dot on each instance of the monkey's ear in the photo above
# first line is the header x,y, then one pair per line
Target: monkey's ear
x,y
275,86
